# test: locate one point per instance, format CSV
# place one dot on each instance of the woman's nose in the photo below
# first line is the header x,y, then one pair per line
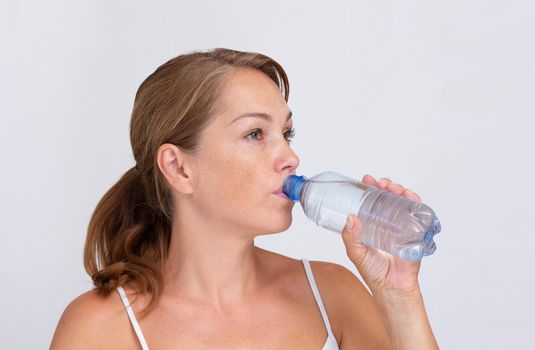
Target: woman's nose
x,y
287,159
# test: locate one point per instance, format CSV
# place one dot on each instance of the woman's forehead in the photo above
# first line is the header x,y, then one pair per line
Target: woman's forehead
x,y
251,91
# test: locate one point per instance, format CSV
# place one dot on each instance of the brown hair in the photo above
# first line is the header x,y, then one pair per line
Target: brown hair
x,y
130,230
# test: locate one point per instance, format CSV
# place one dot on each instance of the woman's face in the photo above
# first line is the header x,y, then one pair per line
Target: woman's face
x,y
243,160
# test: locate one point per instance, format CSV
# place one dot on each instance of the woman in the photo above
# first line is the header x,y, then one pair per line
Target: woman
x,y
173,241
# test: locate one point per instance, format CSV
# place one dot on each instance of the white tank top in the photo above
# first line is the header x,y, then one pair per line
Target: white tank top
x,y
330,343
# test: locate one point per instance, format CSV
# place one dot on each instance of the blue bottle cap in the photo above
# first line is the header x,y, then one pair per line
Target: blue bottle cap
x,y
292,186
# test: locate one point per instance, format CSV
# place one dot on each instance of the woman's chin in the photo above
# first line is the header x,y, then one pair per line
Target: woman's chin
x,y
278,226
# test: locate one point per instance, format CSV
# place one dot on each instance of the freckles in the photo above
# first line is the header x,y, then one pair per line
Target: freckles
x,y
241,183
234,174
241,186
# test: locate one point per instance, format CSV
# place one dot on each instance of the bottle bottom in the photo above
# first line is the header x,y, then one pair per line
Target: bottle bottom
x,y
427,247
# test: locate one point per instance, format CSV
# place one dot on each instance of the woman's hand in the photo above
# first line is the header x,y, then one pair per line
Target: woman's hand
x,y
381,271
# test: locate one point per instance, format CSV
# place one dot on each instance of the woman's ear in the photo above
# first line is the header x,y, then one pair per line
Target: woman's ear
x,y
175,166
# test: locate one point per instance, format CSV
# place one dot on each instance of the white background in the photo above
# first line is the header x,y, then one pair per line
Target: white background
x,y
438,96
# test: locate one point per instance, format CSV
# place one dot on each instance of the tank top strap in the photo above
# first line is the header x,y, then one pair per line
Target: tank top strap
x,y
317,296
132,318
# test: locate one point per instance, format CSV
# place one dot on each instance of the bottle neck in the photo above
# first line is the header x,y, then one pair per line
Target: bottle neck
x,y
292,186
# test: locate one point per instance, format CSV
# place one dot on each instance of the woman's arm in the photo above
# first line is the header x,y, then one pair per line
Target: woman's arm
x,y
405,320
393,282
365,321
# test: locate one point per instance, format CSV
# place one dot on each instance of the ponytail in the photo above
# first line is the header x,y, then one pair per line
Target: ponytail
x,y
127,240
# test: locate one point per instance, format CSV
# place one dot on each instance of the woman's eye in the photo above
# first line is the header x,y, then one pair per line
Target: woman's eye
x,y
256,133
289,135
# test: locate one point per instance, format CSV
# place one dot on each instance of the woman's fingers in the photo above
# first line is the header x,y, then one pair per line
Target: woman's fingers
x,y
381,183
395,188
387,184
411,195
368,179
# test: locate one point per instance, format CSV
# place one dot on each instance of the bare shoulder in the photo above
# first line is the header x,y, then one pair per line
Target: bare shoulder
x,y
354,313
354,317
340,277
92,321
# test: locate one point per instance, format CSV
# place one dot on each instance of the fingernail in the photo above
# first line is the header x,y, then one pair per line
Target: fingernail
x,y
349,223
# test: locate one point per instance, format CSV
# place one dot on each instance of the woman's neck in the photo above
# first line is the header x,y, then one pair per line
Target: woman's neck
x,y
211,265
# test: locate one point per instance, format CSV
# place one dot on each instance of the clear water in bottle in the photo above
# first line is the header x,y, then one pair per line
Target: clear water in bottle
x,y
390,222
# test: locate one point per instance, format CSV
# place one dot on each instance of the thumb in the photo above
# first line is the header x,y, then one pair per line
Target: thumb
x,y
355,249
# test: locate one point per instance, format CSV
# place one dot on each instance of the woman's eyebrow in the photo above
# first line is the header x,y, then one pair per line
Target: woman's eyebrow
x,y
264,116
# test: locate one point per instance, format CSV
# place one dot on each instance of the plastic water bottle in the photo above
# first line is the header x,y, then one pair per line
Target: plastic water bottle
x,y
390,222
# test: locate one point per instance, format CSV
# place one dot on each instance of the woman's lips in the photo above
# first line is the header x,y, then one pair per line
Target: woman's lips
x,y
281,194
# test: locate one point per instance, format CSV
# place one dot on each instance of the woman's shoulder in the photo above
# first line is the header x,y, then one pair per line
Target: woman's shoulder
x,y
353,314
356,315
334,281
325,273
91,321
338,285
338,276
